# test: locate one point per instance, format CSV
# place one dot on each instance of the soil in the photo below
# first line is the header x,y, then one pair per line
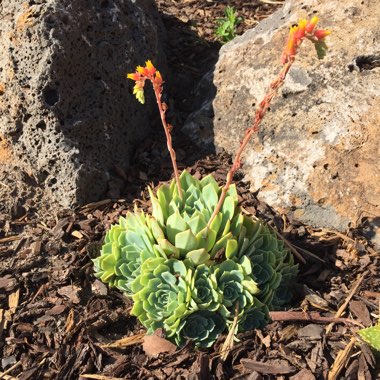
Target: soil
x,y
58,322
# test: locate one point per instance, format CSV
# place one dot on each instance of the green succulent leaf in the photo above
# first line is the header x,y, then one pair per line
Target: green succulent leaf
x,y
371,335
198,256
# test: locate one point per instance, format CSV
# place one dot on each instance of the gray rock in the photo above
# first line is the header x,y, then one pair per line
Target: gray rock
x,y
316,156
66,108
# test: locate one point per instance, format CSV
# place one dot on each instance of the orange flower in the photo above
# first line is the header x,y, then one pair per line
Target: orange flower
x,y
141,75
291,45
320,34
298,32
300,29
311,25
138,91
150,68
142,71
134,76
158,78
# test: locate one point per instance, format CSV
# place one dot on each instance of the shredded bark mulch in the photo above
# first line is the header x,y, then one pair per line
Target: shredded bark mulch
x,y
57,321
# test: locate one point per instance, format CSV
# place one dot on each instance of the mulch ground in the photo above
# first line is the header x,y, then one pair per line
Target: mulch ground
x,y
57,321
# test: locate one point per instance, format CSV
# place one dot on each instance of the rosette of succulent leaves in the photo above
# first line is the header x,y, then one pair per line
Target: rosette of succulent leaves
x,y
187,277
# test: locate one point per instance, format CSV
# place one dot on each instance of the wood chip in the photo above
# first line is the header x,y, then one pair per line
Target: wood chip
x,y
70,321
99,377
71,292
13,301
9,239
77,234
304,374
346,302
359,309
8,283
36,247
125,342
56,310
269,367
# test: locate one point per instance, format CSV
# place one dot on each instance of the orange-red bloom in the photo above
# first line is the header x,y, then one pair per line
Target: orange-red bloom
x,y
297,33
134,76
141,75
320,34
311,24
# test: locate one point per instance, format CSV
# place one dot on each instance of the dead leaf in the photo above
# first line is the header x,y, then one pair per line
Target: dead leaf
x,y
154,345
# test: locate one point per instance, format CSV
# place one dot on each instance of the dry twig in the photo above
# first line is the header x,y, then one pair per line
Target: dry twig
x,y
309,316
341,360
346,302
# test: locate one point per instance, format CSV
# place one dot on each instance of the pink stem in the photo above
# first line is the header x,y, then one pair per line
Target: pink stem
x,y
259,115
167,129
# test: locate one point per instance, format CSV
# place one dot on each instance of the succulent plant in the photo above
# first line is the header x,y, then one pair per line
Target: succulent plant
x,y
203,327
256,317
371,335
126,246
273,267
237,286
205,293
184,220
186,276
161,294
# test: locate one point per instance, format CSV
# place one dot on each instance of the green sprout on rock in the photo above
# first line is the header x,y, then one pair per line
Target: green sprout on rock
x,y
226,26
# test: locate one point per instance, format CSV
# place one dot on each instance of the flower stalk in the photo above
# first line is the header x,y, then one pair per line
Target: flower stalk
x,y
149,72
304,29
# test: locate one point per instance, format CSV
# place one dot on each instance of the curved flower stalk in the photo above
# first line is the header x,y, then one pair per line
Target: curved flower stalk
x,y
304,29
149,72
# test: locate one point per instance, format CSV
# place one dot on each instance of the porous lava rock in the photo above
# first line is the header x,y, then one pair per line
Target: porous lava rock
x,y
67,112
316,156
